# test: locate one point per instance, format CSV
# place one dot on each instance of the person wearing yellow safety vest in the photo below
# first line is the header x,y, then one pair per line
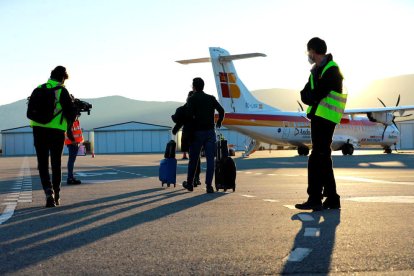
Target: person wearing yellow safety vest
x,y
323,94
73,139
49,138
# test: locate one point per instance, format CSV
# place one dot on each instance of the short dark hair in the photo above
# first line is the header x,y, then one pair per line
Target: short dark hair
x,y
59,73
198,84
318,45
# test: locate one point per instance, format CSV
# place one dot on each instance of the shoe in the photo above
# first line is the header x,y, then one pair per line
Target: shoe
x,y
197,182
57,199
73,181
209,189
308,205
188,186
50,201
332,203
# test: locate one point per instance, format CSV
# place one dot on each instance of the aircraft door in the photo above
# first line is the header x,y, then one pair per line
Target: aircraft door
x,y
286,130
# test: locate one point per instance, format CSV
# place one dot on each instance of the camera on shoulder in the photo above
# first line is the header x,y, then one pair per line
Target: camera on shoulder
x,y
82,106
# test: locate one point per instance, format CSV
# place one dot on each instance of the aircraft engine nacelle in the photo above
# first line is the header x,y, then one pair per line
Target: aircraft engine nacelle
x,y
381,117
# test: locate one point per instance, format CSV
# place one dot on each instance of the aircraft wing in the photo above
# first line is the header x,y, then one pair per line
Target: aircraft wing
x,y
400,109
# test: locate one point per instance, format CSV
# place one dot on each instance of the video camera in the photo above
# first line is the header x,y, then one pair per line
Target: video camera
x,y
82,106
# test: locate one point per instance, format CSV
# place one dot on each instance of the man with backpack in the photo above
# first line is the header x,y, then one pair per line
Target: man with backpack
x,y
50,111
181,120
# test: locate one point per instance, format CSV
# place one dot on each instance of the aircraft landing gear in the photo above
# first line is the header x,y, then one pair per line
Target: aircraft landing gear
x,y
303,151
347,149
387,150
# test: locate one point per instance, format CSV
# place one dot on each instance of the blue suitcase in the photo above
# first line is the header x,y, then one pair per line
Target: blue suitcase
x,y
168,166
168,171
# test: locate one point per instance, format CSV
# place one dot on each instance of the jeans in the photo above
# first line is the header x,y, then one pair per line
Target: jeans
x,y
49,141
202,139
73,152
320,171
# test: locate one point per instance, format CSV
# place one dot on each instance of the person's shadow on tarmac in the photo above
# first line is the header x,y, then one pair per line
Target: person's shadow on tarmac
x,y
37,234
314,243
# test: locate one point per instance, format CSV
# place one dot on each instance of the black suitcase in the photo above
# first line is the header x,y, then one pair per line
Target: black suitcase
x,y
225,168
170,149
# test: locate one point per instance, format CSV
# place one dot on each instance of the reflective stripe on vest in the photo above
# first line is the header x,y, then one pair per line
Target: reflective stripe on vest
x,y
77,134
333,105
58,122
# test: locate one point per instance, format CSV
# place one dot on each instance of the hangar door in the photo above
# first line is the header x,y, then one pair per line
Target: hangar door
x,y
131,141
406,138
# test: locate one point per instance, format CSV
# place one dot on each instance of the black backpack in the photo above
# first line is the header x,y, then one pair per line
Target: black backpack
x,y
42,103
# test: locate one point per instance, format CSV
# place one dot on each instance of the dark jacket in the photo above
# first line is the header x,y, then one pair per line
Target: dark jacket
x,y
201,108
181,119
330,81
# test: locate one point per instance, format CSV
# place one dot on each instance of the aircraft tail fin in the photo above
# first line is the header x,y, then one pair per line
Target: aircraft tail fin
x,y
233,94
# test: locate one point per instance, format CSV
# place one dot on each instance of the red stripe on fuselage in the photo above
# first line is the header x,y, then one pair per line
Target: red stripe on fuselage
x,y
287,118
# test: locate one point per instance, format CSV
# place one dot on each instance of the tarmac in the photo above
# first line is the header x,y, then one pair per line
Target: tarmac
x,y
122,221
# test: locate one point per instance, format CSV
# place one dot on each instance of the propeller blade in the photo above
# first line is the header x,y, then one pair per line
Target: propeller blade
x,y
402,116
383,133
398,100
394,125
381,102
301,107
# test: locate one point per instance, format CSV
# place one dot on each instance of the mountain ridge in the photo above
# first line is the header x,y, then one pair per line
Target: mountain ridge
x,y
112,110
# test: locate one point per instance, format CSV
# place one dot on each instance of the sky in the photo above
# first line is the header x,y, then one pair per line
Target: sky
x,y
129,47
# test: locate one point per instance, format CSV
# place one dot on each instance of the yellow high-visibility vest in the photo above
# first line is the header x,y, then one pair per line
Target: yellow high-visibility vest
x,y
333,105
58,122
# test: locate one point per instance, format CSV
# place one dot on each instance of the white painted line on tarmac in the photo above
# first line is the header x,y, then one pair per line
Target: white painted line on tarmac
x,y
368,180
247,172
258,173
291,207
98,181
384,199
305,217
7,212
312,232
249,196
271,200
271,174
298,254
11,206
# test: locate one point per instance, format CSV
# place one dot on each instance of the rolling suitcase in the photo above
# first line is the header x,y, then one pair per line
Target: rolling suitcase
x,y
168,166
225,168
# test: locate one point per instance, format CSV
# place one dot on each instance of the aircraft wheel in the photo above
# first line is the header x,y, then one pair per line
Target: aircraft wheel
x,y
347,149
387,150
303,151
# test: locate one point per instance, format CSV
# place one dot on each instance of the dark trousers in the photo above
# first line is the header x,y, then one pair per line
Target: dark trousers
x,y
49,141
320,171
73,152
202,139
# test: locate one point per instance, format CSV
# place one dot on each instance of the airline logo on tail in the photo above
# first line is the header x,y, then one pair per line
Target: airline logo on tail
x,y
229,87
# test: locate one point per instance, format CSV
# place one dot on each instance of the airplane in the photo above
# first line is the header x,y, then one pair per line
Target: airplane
x,y
264,123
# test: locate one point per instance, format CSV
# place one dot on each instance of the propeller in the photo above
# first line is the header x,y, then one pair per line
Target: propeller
x,y
393,116
301,107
